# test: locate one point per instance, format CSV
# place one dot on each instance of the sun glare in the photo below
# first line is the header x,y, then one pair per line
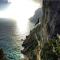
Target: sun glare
x,y
25,9
20,11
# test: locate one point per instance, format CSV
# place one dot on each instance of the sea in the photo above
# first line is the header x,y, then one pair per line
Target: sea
x,y
9,40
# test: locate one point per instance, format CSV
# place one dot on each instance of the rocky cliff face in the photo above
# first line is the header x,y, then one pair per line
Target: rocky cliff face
x,y
51,9
46,33
50,25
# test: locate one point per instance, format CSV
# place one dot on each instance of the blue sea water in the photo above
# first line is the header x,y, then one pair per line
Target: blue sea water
x,y
9,41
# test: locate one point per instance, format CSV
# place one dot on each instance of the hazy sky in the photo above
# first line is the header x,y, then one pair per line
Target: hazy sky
x,y
20,11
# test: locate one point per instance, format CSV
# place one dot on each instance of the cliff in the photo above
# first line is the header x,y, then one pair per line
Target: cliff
x,y
45,36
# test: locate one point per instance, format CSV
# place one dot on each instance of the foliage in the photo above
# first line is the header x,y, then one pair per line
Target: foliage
x,y
51,50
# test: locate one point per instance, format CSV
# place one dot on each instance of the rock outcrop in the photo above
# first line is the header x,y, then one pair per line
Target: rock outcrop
x,y
45,34
31,44
2,55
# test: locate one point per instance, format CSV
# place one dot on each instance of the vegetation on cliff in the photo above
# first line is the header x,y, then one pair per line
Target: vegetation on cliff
x,y
51,50
47,33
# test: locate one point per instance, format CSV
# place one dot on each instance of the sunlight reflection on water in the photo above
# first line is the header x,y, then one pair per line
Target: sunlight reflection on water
x,y
19,11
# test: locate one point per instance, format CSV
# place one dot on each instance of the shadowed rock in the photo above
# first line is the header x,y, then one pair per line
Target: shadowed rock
x,y
51,9
2,55
36,18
